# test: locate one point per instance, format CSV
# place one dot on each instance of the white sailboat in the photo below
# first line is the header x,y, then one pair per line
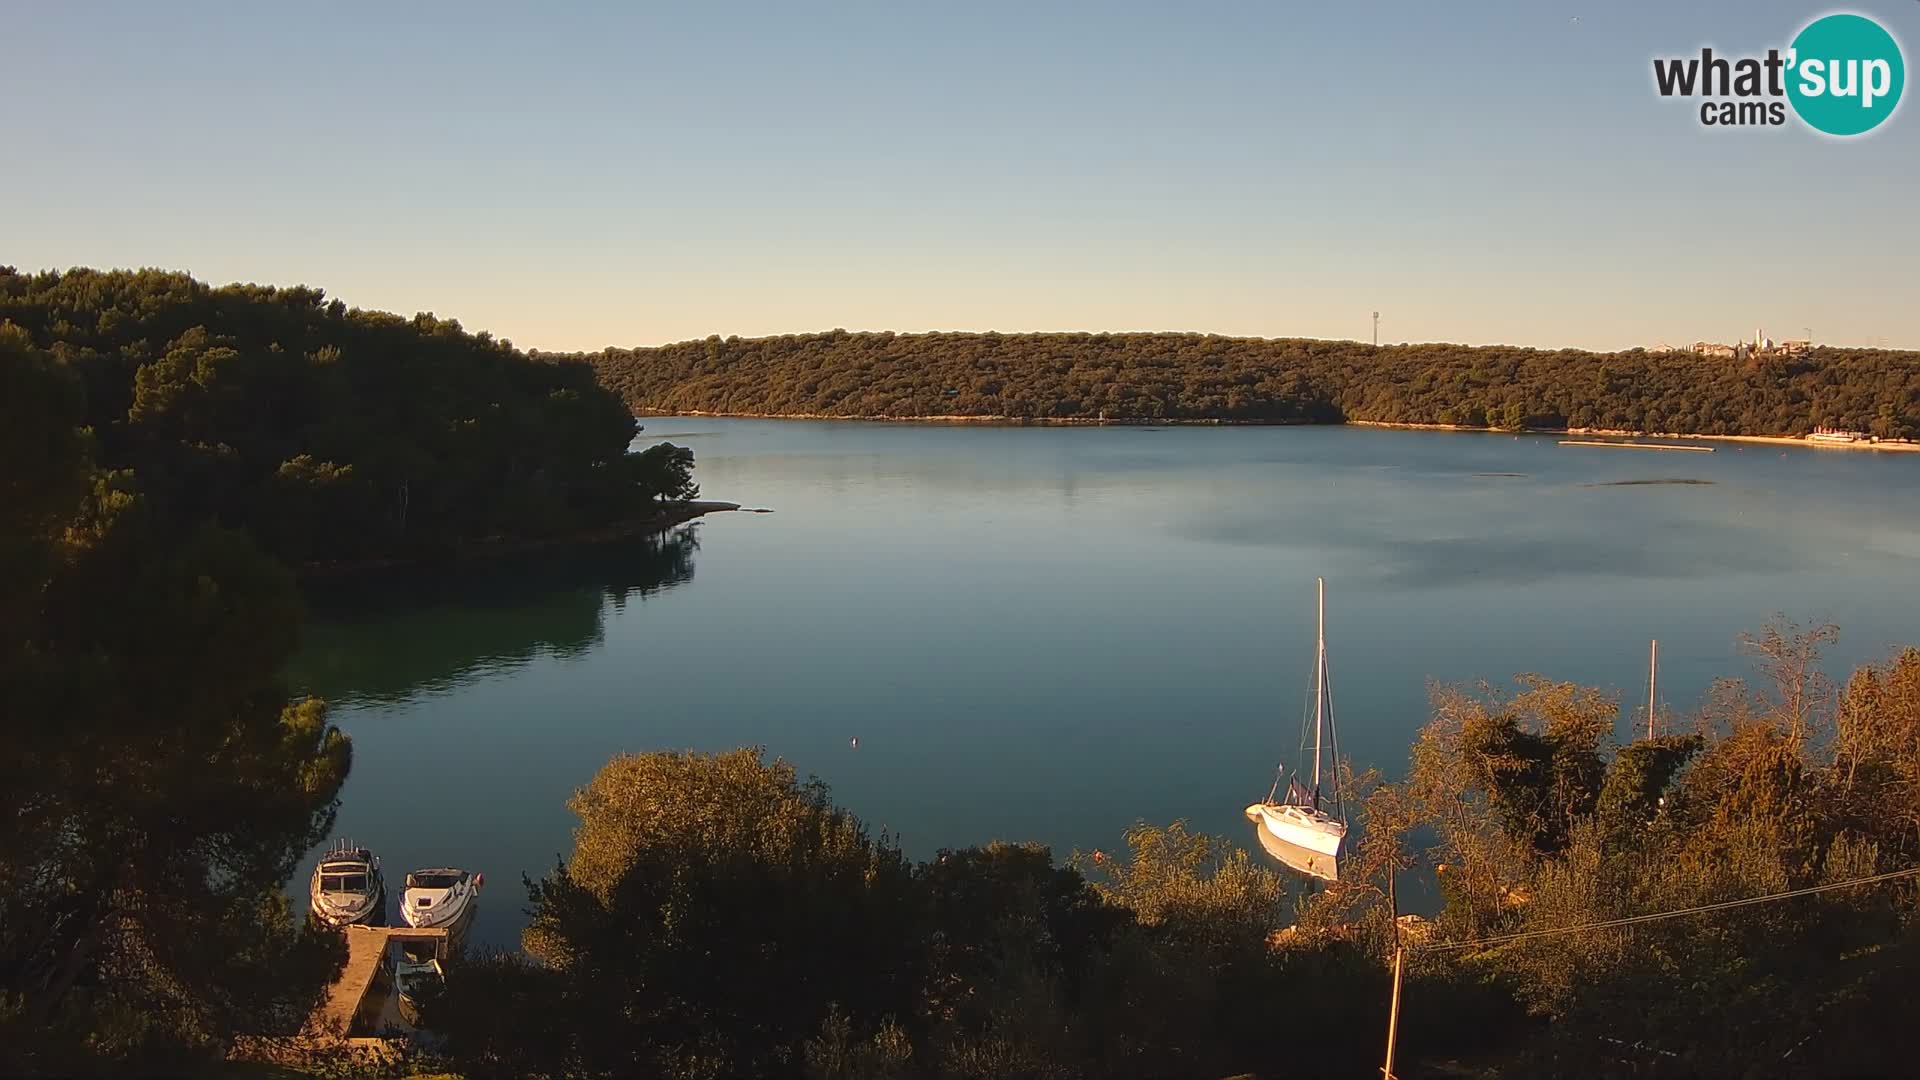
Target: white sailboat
x,y
1304,829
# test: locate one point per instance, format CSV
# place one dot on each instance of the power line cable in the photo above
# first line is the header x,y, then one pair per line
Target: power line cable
x,y
1631,920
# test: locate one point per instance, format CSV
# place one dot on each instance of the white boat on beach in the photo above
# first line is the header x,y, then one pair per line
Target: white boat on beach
x,y
347,888
1306,827
1836,435
441,897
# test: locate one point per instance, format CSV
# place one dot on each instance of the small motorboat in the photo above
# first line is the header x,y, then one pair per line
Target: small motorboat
x,y
441,898
347,887
414,972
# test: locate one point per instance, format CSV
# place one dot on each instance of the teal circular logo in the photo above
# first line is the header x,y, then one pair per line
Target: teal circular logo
x,y
1846,74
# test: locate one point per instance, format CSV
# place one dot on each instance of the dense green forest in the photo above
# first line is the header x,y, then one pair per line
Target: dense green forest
x,y
171,450
329,433
1205,377
157,782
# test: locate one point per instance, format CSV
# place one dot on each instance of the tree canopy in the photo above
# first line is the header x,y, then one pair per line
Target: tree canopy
x,y
712,910
1540,823
1281,380
330,433
172,448
157,785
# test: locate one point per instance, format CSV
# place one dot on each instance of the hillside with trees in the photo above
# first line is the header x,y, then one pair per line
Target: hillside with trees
x,y
1166,377
328,433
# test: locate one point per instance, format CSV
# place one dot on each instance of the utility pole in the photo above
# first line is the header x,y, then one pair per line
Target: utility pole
x,y
1376,329
1393,1017
1399,953
1653,672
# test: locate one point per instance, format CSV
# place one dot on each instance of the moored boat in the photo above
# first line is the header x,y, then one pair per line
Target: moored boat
x,y
414,972
347,888
441,897
1308,826
1302,826
1305,860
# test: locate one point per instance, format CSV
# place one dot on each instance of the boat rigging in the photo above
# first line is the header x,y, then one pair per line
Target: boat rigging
x,y
1306,827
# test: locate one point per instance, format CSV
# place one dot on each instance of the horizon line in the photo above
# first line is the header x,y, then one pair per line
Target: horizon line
x,y
530,349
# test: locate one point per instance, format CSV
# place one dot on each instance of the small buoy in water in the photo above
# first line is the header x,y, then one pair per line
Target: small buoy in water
x,y
854,742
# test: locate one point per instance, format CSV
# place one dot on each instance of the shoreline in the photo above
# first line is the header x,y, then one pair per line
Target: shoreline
x,y
480,550
1617,433
985,419
991,420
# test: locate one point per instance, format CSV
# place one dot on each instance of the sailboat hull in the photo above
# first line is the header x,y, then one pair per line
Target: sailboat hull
x,y
1311,863
1300,826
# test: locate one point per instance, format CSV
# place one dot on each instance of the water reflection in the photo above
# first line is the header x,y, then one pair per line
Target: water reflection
x,y
391,635
1050,634
1524,560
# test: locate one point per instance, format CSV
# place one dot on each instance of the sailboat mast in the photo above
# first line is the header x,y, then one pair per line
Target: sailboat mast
x,y
1653,670
1319,685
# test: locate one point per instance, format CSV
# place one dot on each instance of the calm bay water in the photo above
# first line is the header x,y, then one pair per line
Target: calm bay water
x,y
1050,633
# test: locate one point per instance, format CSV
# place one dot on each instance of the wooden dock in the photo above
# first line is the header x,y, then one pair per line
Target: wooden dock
x,y
1636,445
354,1018
349,1000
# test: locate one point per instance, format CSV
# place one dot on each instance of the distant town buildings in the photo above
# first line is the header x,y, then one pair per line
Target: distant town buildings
x,y
1761,345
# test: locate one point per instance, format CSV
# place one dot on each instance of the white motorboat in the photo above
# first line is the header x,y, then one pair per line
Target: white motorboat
x,y
347,887
1309,825
441,897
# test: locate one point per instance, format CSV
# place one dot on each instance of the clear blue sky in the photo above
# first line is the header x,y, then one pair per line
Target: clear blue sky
x,y
578,177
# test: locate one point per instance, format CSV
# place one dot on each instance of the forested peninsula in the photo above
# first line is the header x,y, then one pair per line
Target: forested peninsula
x,y
327,433
1204,377
172,452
